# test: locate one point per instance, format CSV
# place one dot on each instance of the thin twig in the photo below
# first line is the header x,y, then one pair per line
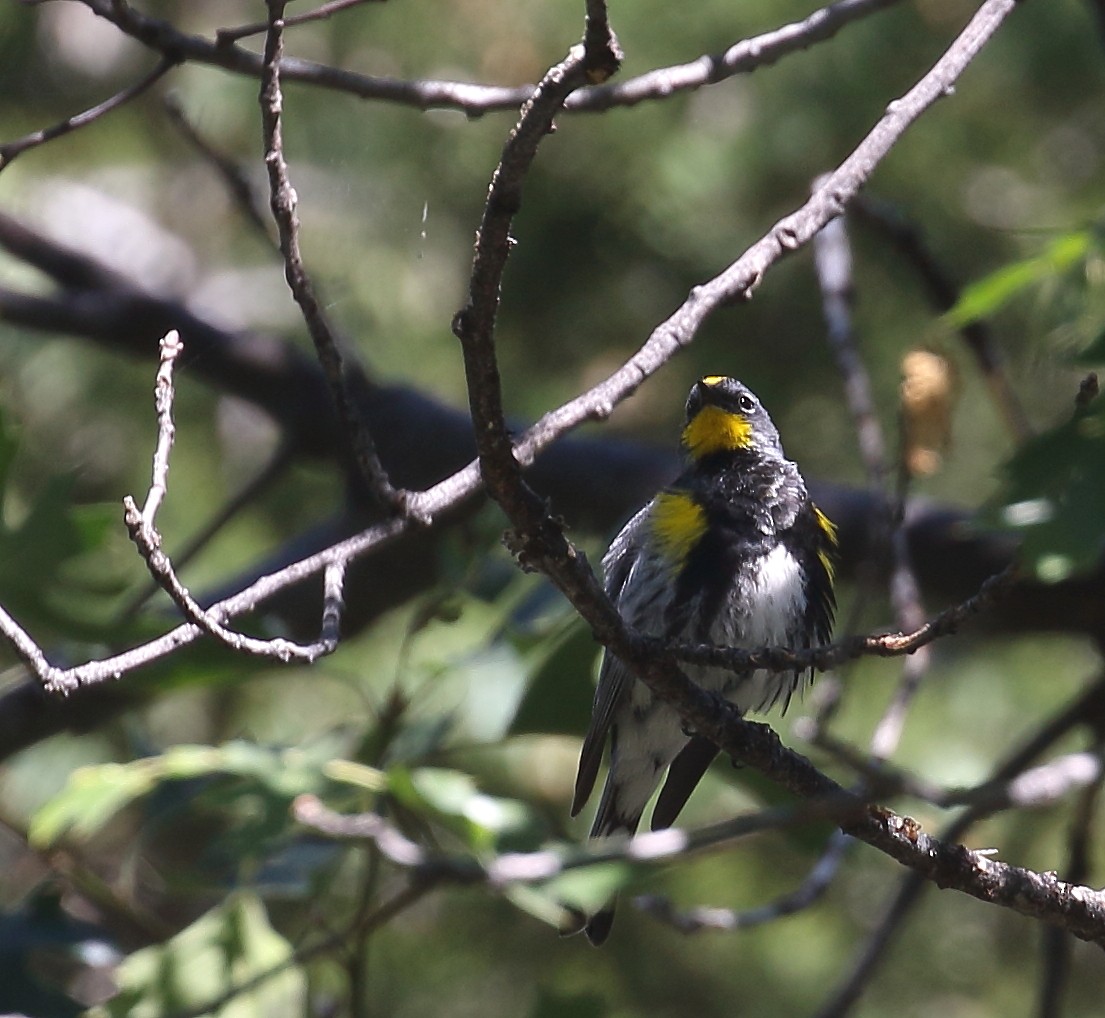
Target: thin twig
x,y
511,868
10,150
283,200
228,36
1056,947
276,465
1031,789
474,324
142,527
475,100
832,256
833,259
784,659
817,881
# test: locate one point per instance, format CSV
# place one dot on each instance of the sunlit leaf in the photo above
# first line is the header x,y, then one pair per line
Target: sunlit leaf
x,y
352,773
229,961
91,797
988,295
588,888
451,795
94,794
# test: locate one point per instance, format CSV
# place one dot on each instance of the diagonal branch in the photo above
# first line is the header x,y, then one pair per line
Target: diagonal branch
x,y
11,149
1088,708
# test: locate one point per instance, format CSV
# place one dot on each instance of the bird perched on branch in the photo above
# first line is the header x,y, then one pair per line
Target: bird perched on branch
x,y
733,553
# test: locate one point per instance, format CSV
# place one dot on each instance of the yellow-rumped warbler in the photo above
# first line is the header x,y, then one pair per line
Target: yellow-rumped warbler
x,y
733,553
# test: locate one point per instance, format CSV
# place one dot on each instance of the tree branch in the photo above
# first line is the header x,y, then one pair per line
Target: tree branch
x,y
354,428
476,100
12,149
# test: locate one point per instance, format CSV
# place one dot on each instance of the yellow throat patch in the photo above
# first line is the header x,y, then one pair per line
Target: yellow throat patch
x,y
715,430
678,521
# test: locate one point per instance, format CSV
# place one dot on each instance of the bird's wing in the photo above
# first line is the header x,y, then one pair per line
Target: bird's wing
x,y
614,677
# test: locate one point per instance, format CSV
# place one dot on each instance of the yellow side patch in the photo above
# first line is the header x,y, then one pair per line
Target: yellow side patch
x,y
715,430
828,528
678,521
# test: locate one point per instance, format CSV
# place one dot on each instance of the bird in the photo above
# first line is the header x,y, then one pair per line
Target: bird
x,y
733,553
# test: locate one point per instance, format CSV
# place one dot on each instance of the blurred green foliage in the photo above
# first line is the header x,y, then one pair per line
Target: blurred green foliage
x,y
464,710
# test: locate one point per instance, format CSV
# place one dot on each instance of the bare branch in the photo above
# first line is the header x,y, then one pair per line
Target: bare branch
x,y
1078,909
802,897
1056,942
10,150
283,201
141,525
542,865
474,324
171,348
475,100
833,654
1088,708
833,259
250,490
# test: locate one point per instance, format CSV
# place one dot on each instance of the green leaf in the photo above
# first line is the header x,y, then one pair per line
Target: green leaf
x,y
90,798
207,967
454,798
561,902
588,888
559,694
1054,496
987,295
94,794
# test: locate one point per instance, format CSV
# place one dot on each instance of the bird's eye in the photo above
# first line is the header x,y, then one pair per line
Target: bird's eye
x,y
746,404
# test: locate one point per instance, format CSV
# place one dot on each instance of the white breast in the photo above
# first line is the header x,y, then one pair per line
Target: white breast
x,y
770,617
